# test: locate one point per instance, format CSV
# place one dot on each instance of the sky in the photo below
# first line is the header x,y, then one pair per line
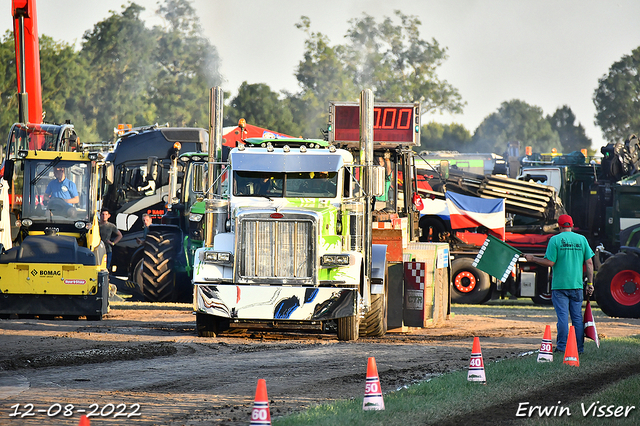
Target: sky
x,y
548,53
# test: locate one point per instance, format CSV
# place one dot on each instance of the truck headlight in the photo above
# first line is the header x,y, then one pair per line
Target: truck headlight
x,y
195,217
335,260
217,257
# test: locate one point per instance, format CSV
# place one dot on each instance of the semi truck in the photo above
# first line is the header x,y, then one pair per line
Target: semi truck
x,y
288,241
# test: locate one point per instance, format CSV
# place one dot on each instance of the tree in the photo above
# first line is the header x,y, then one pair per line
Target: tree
x,y
398,65
119,52
323,77
8,83
390,59
261,107
64,80
572,136
187,67
515,120
617,99
444,137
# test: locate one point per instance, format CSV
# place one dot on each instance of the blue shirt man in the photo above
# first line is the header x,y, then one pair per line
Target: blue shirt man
x,y
62,188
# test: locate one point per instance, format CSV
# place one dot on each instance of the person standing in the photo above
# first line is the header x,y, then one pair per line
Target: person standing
x,y
146,222
566,254
107,232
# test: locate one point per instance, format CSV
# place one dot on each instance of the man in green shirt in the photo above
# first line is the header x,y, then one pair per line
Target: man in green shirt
x,y
566,253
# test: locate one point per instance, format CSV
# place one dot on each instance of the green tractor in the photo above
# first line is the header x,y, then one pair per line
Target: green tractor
x,y
164,261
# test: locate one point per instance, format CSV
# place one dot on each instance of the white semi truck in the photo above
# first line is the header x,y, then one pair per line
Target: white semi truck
x,y
288,235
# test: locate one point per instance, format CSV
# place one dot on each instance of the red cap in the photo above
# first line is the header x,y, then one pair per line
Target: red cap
x,y
565,221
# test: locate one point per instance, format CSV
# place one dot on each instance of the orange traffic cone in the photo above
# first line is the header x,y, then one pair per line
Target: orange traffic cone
x,y
476,364
571,353
372,390
546,348
84,421
260,416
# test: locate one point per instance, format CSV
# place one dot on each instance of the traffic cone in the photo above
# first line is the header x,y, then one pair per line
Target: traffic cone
x,y
84,421
546,348
260,416
571,353
372,390
476,364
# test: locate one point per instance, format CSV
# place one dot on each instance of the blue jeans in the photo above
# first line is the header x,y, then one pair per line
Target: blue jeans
x,y
568,303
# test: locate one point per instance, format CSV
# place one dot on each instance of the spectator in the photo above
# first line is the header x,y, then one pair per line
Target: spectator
x,y
107,232
146,222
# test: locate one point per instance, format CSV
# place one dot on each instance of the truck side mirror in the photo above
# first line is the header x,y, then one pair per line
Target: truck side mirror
x,y
152,168
378,181
8,170
444,169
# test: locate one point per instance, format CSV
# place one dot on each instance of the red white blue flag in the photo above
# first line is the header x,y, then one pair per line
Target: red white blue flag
x,y
471,212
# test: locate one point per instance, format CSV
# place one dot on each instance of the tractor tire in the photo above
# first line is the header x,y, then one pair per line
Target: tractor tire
x,y
374,323
617,286
348,328
158,275
469,284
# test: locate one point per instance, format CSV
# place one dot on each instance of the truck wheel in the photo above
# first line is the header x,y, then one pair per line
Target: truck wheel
x,y
617,286
348,328
542,299
206,325
468,283
158,276
374,323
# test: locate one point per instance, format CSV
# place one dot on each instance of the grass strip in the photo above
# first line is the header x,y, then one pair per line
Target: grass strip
x,y
450,398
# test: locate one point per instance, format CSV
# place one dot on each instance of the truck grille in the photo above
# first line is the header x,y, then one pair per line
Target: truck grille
x,y
276,249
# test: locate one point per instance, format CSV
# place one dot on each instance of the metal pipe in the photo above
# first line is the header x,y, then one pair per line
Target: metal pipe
x,y
23,103
215,158
366,159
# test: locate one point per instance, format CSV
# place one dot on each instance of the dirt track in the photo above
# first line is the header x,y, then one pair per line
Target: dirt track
x,y
149,355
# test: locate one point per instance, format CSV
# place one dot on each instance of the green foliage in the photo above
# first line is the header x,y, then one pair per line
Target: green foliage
x,y
261,107
572,136
616,99
8,83
187,65
393,61
390,59
119,53
516,120
444,137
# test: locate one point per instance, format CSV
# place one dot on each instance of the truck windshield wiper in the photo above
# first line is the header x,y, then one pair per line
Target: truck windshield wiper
x,y
48,167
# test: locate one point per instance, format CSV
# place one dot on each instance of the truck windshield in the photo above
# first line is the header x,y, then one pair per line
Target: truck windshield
x,y
290,185
56,191
33,136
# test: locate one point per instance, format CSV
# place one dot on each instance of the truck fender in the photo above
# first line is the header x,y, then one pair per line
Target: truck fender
x,y
378,267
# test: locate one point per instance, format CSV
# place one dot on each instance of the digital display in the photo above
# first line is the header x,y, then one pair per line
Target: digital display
x,y
393,124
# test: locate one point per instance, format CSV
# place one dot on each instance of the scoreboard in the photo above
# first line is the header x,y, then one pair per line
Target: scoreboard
x,y
393,124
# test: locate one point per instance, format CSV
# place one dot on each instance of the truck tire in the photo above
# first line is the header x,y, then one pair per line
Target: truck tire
x,y
348,328
468,284
206,325
374,323
542,299
617,286
158,275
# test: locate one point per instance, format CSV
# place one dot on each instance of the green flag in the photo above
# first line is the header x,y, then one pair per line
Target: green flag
x,y
496,258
